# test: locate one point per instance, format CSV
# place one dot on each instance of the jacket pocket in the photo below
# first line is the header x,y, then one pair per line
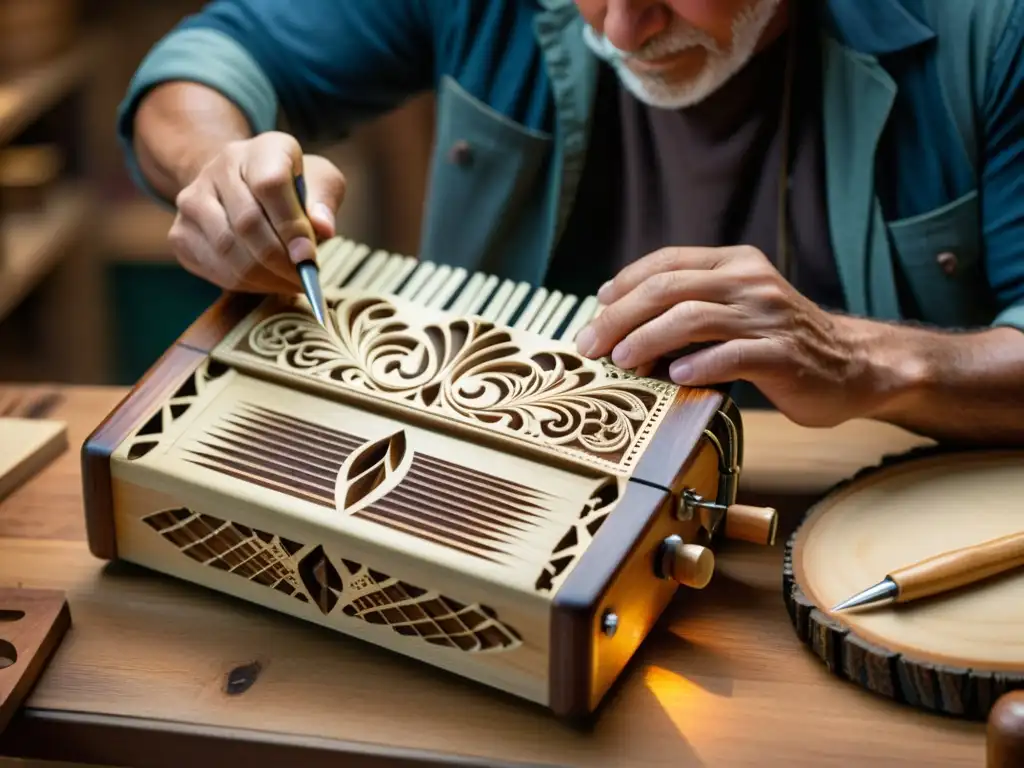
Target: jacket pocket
x,y
940,256
487,186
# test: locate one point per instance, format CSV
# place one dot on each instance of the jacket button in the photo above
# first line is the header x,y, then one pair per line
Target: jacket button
x,y
947,261
460,153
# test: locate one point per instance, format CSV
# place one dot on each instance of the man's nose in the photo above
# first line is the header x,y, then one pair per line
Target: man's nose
x,y
629,24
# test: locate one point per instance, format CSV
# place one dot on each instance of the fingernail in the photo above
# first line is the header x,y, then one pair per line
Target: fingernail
x,y
680,372
301,249
620,355
586,341
603,293
322,212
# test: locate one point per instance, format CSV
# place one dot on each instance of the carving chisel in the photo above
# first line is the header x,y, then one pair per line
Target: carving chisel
x,y
309,272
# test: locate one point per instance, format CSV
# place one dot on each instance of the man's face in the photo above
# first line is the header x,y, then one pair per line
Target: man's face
x,y
674,53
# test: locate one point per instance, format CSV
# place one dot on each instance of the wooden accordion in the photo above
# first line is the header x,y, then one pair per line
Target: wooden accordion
x,y
438,473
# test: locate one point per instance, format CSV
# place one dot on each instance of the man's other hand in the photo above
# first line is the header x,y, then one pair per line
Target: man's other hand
x,y
815,366
240,224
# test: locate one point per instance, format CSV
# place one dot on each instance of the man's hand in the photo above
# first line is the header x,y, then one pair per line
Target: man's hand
x,y
816,367
240,224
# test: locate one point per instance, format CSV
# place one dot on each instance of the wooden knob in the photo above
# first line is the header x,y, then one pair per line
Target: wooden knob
x,y
1005,734
689,564
754,524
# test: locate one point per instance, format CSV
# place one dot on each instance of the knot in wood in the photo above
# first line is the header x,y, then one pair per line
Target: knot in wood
x,y
241,679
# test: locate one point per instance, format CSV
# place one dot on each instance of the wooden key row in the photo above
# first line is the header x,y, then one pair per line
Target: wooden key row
x,y
550,314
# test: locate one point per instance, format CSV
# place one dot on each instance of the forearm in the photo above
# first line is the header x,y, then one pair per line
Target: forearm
x,y
178,128
952,387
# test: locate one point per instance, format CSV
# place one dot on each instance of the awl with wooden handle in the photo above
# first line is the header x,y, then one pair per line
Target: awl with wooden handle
x,y
943,573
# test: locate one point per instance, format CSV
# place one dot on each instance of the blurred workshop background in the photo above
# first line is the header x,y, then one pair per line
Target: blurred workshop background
x,y
89,293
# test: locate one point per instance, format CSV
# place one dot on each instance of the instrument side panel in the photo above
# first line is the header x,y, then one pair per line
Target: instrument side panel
x,y
617,575
344,513
174,370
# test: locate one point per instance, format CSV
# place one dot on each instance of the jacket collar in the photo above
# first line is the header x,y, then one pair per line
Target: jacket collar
x,y
876,27
872,27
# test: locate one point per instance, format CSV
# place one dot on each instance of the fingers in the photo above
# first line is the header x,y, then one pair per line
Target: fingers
x,y
736,360
689,322
241,224
664,260
647,300
325,192
225,267
254,233
270,174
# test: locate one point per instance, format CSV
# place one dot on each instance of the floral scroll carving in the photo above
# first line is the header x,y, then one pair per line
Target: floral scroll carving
x,y
465,369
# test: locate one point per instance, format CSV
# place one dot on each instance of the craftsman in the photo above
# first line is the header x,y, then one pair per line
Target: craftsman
x,y
832,191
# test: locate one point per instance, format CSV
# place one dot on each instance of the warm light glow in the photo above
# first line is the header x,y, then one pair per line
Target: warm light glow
x,y
692,708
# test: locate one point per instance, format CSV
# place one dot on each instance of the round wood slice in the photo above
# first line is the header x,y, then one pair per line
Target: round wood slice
x,y
955,653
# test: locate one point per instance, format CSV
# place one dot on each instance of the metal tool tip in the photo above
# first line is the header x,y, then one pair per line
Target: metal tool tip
x,y
883,590
310,276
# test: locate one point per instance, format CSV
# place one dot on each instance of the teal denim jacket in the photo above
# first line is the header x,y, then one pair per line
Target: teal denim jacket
x,y
923,119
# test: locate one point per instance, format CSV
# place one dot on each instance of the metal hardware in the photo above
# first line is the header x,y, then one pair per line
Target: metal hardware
x,y
663,561
610,623
730,454
691,503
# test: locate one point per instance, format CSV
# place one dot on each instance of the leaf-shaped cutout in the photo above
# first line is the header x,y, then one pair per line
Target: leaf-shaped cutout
x,y
371,471
141,448
320,579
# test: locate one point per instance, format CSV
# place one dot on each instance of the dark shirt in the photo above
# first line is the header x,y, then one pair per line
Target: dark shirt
x,y
706,175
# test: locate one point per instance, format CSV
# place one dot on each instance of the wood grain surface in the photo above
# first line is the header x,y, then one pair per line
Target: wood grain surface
x,y
26,446
953,653
153,662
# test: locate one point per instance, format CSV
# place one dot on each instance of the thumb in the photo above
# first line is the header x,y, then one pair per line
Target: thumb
x,y
325,192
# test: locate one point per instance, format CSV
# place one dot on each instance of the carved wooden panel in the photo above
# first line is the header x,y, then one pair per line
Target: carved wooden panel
x,y
463,370
384,482
578,537
380,481
333,585
149,435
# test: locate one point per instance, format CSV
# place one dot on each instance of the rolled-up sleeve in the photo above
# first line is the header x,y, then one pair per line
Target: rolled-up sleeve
x,y
1002,181
322,65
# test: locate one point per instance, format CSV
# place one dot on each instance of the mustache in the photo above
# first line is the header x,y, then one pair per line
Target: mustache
x,y
679,37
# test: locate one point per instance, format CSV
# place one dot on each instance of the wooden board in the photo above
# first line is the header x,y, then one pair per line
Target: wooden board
x,y
32,624
26,446
956,653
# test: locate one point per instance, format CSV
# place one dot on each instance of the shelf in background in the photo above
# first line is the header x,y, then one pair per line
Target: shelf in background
x,y
25,97
31,244
136,231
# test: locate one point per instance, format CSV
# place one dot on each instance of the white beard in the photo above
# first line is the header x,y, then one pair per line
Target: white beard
x,y
720,66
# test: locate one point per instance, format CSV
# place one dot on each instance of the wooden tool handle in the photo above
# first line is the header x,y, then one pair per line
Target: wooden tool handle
x,y
754,524
1005,732
962,566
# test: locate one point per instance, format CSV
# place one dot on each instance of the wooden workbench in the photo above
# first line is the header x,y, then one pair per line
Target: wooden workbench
x,y
141,678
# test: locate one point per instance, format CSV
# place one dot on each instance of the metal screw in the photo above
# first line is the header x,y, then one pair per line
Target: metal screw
x,y
610,623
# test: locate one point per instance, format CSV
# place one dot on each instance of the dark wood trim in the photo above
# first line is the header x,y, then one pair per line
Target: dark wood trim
x,y
179,361
666,459
45,619
210,328
668,452
572,609
163,377
109,740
